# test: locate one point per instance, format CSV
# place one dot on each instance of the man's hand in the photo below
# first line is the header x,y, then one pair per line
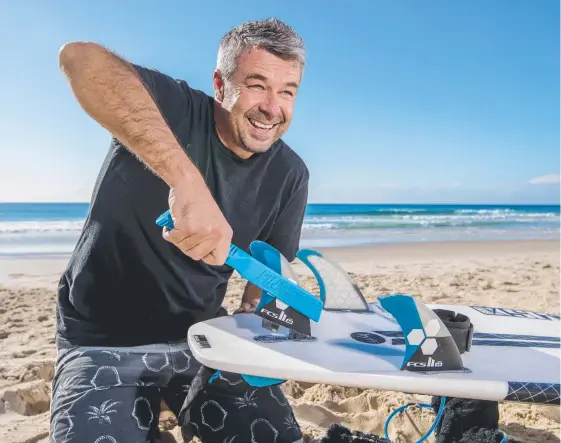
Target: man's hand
x,y
200,229
250,299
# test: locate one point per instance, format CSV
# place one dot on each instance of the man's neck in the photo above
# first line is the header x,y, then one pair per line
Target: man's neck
x,y
221,124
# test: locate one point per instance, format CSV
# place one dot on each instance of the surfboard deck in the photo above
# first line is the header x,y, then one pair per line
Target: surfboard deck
x,y
514,356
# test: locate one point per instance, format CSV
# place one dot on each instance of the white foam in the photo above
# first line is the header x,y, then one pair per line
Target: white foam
x,y
37,226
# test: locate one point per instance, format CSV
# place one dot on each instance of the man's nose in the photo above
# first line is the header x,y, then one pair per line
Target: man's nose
x,y
270,106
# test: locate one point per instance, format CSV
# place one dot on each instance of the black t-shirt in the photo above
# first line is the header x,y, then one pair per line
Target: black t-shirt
x,y
125,284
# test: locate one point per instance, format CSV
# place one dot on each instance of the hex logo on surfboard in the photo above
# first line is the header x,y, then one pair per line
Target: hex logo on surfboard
x,y
427,342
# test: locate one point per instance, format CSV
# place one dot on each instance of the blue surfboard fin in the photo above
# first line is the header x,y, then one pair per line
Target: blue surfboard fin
x,y
429,346
252,380
260,382
274,312
275,315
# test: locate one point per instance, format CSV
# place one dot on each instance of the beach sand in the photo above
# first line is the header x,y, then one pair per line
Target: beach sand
x,y
522,275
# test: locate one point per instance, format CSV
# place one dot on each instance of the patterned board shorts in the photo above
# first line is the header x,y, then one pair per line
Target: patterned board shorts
x,y
112,395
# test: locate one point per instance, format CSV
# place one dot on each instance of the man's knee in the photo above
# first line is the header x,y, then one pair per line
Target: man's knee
x,y
222,405
96,393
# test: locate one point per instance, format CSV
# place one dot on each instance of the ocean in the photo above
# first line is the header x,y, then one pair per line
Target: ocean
x,y
51,229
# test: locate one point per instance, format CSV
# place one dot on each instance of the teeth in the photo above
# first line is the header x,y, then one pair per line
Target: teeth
x,y
260,125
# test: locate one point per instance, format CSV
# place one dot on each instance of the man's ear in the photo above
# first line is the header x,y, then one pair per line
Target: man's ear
x,y
218,84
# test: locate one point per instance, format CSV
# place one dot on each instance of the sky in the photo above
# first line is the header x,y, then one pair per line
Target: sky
x,y
401,102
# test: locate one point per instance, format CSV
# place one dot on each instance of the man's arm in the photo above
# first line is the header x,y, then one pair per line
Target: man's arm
x,y
109,90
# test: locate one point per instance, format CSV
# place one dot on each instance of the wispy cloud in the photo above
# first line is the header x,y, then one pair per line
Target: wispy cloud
x,y
545,179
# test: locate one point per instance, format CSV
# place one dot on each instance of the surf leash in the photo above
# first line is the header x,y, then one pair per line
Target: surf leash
x,y
421,405
434,424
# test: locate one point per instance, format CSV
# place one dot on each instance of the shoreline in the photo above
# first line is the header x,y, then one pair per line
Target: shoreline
x,y
44,270
389,245
449,248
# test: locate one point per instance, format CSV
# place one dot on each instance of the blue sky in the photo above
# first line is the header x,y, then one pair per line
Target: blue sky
x,y
402,101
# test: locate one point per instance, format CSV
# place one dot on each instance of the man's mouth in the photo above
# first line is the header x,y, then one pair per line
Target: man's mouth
x,y
260,125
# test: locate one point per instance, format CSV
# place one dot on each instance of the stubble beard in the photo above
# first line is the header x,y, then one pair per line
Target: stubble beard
x,y
248,143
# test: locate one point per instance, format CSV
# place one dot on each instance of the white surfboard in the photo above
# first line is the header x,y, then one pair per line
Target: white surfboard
x,y
514,356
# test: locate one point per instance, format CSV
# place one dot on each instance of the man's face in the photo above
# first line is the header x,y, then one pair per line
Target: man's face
x,y
259,99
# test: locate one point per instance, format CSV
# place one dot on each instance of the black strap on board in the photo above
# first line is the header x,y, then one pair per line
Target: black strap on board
x,y
460,327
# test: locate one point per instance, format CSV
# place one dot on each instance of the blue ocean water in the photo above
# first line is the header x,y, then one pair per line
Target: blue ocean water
x,y
53,228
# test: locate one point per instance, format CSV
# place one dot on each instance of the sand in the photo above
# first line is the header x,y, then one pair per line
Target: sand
x,y
522,275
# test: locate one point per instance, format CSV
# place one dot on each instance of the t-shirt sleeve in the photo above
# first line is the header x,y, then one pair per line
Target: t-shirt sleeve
x,y
174,98
287,229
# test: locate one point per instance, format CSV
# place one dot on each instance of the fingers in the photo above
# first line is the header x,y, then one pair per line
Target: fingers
x,y
220,253
203,244
248,307
202,250
184,239
245,307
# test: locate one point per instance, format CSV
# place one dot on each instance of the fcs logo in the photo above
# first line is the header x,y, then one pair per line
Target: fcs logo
x,y
431,363
281,317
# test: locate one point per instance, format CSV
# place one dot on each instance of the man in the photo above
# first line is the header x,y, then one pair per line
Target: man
x,y
131,291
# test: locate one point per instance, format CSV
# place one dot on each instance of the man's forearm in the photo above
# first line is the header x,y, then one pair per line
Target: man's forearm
x,y
110,91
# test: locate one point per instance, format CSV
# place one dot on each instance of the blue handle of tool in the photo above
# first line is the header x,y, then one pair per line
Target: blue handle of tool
x,y
264,277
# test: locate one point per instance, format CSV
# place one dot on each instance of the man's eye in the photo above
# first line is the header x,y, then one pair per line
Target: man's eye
x,y
288,93
256,86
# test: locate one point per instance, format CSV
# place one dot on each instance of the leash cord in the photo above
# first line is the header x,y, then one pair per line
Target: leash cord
x,y
435,423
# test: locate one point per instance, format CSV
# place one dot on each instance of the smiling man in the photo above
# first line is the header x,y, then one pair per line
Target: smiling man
x,y
131,291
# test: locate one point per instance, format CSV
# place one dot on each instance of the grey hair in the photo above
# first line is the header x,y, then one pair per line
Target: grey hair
x,y
271,34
